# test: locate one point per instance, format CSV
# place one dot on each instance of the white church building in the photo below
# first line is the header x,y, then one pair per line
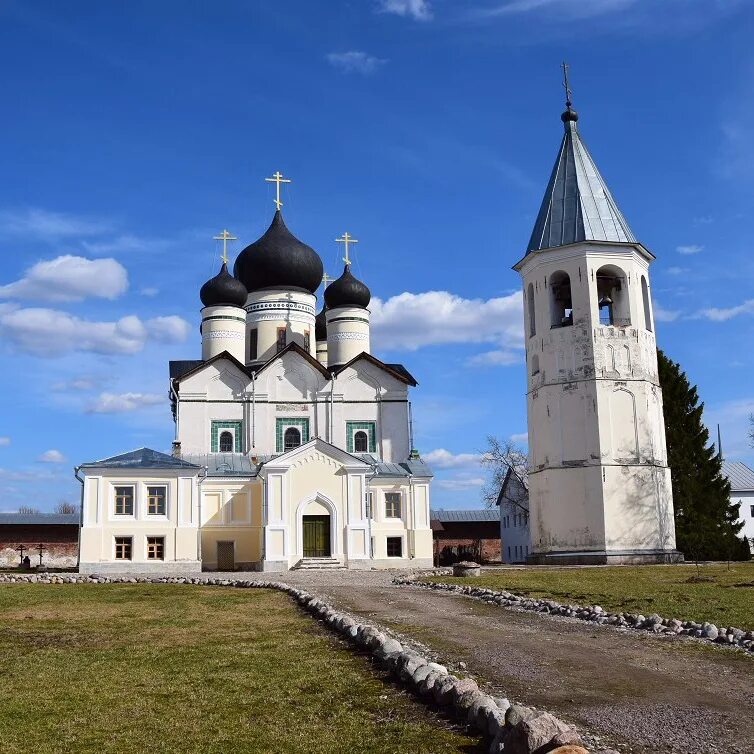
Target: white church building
x,y
292,441
598,479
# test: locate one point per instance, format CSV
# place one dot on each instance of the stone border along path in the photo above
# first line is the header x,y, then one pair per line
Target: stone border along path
x,y
507,727
656,624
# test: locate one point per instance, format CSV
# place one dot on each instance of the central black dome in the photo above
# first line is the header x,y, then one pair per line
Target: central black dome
x,y
347,291
279,260
223,289
320,326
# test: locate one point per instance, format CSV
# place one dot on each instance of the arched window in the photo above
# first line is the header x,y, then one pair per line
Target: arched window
x,y
535,364
291,439
647,308
532,316
360,442
561,306
612,296
226,442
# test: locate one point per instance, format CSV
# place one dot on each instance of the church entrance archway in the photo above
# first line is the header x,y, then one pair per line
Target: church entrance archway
x,y
316,536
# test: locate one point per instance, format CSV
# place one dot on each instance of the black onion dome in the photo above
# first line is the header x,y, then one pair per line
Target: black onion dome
x,y
279,260
223,289
347,291
320,326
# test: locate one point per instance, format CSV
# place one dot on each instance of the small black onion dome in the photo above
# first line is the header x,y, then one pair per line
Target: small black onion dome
x,y
279,260
347,291
223,289
320,326
569,115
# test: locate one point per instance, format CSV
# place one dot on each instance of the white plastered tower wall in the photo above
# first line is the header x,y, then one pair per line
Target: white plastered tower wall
x,y
599,483
347,334
223,328
271,309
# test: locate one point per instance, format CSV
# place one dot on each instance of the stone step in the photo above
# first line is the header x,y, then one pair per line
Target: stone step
x,y
310,564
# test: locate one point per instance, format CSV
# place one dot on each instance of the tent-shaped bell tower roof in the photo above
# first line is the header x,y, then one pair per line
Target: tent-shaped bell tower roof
x,y
577,205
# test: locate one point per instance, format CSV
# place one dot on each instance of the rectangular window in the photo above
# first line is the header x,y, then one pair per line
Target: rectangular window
x,y
361,437
370,505
155,548
752,511
156,497
392,505
124,501
290,433
219,432
307,341
395,547
253,341
123,547
281,339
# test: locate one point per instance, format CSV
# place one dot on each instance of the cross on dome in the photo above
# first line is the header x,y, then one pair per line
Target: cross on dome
x,y
277,179
225,236
347,239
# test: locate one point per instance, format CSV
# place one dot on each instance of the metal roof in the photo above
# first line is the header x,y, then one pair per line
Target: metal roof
x,y
226,464
740,476
45,519
473,516
142,458
577,205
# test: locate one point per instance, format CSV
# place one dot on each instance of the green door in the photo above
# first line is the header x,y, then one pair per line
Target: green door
x,y
316,536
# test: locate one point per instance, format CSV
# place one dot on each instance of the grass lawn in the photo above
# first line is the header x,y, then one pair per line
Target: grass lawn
x,y
726,599
152,668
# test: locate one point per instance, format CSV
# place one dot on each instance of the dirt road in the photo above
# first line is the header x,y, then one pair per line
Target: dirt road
x,y
638,692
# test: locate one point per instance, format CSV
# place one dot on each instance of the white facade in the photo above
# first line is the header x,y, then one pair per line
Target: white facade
x,y
741,478
279,460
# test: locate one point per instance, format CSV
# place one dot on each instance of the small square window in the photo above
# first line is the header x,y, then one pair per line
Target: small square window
x,y
253,344
395,547
392,504
123,548
124,501
156,497
155,548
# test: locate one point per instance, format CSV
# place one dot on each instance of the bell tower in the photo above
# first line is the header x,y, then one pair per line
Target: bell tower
x,y
599,483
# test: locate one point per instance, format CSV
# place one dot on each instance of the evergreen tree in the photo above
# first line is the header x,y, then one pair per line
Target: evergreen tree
x,y
706,525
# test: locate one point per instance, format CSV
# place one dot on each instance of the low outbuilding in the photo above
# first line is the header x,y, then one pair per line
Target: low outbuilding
x,y
466,535
47,539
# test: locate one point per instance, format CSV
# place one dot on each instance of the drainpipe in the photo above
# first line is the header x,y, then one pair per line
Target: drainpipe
x,y
332,390
177,407
370,513
253,409
81,514
412,534
199,522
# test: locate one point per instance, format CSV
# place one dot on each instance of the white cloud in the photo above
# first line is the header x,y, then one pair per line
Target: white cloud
x,y
571,8
416,9
722,315
355,61
677,270
48,226
78,384
665,315
693,248
50,332
495,359
118,403
52,456
149,291
461,483
4,442
521,438
444,459
69,278
410,321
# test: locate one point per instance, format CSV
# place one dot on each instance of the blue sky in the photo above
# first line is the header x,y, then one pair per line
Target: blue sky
x,y
134,132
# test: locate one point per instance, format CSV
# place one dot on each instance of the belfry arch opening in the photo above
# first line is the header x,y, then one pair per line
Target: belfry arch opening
x,y
647,306
561,303
530,309
291,439
612,296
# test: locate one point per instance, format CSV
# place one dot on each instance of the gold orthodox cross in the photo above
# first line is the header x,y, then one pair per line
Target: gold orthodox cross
x,y
326,279
277,179
347,239
225,236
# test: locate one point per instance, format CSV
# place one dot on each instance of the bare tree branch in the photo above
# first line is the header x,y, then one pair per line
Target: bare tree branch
x,y
500,456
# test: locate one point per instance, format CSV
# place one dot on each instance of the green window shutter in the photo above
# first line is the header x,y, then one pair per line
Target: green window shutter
x,y
218,427
282,423
369,427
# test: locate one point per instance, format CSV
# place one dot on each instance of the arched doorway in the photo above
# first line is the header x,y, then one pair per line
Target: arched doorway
x,y
316,536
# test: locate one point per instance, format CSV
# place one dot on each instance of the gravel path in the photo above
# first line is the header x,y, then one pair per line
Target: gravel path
x,y
640,693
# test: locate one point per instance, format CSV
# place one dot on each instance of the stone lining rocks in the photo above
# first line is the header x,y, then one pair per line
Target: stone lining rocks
x,y
509,728
656,624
